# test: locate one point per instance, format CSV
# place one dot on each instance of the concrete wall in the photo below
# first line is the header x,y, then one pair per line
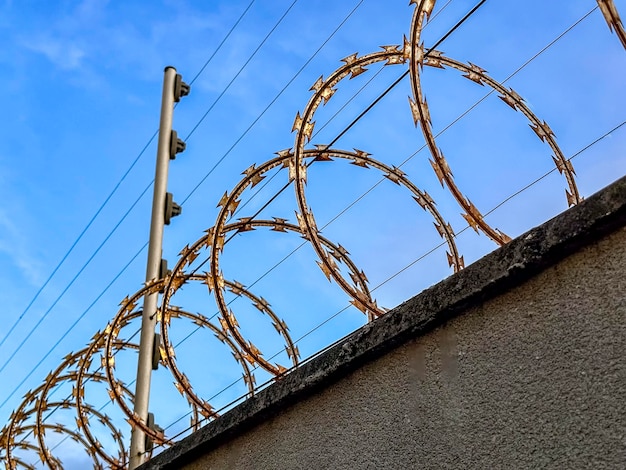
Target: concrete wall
x,y
516,362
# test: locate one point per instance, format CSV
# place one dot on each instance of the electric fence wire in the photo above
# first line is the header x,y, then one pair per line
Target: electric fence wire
x,y
509,77
254,53
378,286
22,343
76,276
221,44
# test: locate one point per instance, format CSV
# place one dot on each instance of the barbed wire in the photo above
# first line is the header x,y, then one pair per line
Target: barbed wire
x,y
29,419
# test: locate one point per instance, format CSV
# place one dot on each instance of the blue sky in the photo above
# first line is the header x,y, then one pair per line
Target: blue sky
x,y
80,82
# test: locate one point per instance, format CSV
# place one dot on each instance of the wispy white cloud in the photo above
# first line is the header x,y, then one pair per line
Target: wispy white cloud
x,y
61,52
14,245
90,10
94,35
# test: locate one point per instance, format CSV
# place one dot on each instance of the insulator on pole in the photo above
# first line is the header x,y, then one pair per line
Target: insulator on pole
x,y
180,88
176,145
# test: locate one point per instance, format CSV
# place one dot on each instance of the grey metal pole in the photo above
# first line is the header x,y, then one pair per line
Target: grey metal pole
x,y
148,322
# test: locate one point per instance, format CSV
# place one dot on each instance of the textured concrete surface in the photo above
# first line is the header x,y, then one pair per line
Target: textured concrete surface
x,y
516,362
